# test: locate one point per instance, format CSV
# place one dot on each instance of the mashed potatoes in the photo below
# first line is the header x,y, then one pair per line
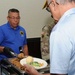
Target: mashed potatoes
x,y
29,59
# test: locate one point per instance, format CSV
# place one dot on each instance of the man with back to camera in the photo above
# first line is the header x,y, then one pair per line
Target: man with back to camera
x,y
12,36
62,39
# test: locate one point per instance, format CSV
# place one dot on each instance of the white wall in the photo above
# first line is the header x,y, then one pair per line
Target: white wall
x,y
33,18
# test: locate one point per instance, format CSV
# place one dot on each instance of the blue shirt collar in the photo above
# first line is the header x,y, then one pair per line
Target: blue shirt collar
x,y
8,24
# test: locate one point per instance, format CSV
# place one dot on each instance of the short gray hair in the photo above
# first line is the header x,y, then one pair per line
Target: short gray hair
x,y
62,1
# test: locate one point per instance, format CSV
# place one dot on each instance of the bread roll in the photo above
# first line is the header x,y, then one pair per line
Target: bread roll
x,y
29,59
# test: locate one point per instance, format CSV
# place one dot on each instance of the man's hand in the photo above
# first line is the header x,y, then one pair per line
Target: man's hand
x,y
31,70
8,51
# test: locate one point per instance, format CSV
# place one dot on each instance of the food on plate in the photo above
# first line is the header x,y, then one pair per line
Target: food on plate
x,y
36,64
21,55
29,59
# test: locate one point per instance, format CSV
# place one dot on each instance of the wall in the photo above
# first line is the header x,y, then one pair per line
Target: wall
x,y
33,18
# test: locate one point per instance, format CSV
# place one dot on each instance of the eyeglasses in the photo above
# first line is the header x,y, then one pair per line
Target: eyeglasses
x,y
14,18
48,9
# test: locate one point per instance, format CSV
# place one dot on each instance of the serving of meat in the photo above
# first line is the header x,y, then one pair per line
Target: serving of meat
x,y
21,56
16,61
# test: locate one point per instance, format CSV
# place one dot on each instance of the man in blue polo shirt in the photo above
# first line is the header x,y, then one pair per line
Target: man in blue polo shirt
x,y
12,35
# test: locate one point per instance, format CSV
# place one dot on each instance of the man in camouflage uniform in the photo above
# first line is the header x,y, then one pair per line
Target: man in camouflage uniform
x,y
45,40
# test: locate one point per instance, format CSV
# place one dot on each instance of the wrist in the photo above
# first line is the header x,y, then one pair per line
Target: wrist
x,y
1,48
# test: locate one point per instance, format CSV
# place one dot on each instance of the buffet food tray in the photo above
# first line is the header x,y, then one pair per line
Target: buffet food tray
x,y
7,65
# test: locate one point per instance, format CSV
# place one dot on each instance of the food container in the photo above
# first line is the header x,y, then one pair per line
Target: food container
x,y
9,69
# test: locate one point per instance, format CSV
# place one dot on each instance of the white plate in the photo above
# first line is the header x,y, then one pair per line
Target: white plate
x,y
23,61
